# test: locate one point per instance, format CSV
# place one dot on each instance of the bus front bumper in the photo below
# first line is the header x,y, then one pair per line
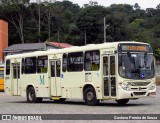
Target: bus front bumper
x,y
123,94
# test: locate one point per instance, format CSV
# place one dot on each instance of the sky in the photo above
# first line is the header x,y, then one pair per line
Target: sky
x,y
142,3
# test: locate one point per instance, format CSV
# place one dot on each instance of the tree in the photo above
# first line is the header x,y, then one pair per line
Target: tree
x,y
117,29
158,6
34,21
91,20
48,14
13,11
136,6
157,54
124,8
156,31
29,22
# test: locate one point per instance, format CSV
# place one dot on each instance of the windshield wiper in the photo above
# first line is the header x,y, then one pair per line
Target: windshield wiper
x,y
131,59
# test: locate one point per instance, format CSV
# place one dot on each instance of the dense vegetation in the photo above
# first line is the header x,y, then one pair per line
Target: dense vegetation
x,y
68,22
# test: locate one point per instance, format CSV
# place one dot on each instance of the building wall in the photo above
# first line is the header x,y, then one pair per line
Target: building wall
x,y
3,38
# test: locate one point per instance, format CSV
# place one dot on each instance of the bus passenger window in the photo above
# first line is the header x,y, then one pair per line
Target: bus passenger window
x,y
52,68
87,62
58,68
23,66
30,65
75,62
112,64
92,60
42,64
94,67
16,71
8,67
105,66
64,67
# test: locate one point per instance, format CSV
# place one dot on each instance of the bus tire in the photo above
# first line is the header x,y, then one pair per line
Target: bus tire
x,y
122,101
31,96
90,96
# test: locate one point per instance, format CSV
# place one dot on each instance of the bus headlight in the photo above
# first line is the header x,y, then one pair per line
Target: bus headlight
x,y
152,86
125,86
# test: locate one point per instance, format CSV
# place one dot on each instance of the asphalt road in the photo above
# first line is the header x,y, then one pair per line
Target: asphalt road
x,y
18,105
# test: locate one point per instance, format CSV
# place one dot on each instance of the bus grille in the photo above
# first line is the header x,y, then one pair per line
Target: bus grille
x,y
136,88
138,83
139,93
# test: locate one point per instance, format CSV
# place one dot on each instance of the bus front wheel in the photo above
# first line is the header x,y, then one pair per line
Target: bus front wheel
x,y
122,101
31,96
90,96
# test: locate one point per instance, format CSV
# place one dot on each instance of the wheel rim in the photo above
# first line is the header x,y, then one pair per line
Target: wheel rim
x,y
31,95
90,96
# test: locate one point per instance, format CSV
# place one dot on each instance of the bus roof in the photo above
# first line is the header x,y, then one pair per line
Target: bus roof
x,y
72,49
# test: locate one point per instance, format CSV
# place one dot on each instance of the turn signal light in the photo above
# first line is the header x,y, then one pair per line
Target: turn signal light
x,y
153,93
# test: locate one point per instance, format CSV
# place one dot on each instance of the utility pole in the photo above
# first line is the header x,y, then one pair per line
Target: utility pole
x,y
58,40
105,27
49,22
85,37
39,22
49,18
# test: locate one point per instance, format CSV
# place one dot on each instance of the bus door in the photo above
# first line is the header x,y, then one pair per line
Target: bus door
x,y
109,76
16,78
55,66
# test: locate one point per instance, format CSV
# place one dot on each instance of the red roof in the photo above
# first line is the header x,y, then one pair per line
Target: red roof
x,y
61,45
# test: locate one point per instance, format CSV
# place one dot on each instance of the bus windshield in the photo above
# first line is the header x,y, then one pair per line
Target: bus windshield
x,y
136,65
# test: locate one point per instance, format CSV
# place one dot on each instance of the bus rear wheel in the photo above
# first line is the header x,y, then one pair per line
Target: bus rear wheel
x,y
31,96
90,96
122,101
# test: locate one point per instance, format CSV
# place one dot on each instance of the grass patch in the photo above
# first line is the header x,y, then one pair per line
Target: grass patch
x,y
158,80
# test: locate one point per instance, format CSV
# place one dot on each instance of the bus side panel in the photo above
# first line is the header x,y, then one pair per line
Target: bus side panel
x,y
96,80
71,84
40,83
66,92
7,85
1,84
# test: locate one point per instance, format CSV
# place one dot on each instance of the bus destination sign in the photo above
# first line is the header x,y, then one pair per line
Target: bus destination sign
x,y
134,48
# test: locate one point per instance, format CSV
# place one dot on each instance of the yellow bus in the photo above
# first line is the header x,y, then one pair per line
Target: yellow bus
x,y
119,71
1,78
